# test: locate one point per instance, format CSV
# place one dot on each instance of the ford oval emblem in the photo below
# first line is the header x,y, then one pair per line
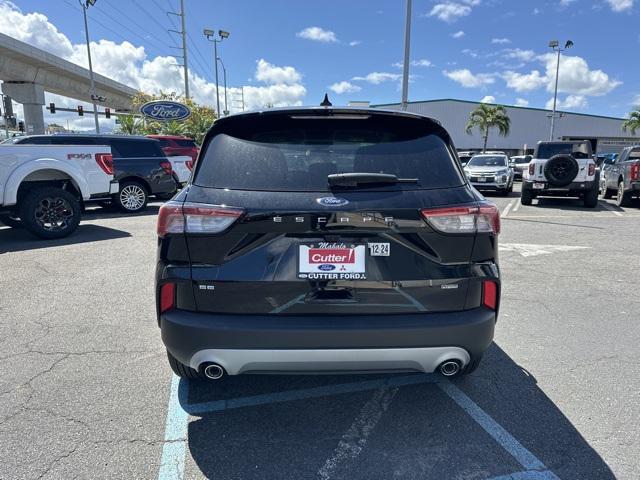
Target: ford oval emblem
x,y
332,201
326,268
165,110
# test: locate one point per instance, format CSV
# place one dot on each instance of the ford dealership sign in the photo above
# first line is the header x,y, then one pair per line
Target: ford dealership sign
x,y
165,110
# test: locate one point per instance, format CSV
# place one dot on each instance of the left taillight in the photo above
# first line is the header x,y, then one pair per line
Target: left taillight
x,y
484,218
166,166
592,169
189,217
490,294
167,297
105,162
635,172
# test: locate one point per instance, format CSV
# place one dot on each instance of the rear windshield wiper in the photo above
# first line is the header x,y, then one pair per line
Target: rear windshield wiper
x,y
354,179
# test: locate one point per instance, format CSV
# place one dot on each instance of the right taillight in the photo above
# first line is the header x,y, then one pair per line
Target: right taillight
x,y
532,168
105,162
490,294
175,217
635,171
484,218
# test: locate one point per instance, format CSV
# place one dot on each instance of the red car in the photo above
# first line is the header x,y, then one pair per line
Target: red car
x,y
176,145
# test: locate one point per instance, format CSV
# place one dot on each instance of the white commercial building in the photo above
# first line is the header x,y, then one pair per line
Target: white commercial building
x,y
528,126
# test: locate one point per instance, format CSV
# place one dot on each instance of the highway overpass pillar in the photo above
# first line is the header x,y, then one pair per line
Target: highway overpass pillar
x,y
31,96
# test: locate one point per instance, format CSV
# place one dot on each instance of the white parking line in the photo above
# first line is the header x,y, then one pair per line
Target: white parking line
x,y
505,212
355,438
172,465
606,206
517,205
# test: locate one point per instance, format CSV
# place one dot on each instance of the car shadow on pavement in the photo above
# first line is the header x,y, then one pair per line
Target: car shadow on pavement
x,y
253,427
18,239
562,203
96,213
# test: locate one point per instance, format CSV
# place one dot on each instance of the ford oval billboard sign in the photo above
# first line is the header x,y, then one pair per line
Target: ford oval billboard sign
x,y
165,110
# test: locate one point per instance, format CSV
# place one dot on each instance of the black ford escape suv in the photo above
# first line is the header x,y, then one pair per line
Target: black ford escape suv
x,y
327,240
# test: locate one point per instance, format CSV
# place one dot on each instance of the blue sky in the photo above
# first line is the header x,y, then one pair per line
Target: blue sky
x,y
294,51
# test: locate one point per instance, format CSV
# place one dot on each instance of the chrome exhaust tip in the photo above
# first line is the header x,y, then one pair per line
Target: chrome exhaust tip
x,y
450,368
213,371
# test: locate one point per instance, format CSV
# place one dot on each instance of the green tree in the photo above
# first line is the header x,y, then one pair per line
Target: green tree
x,y
129,125
633,122
485,117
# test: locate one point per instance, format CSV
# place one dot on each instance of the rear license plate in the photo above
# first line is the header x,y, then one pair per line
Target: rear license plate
x,y
379,249
332,261
538,186
482,179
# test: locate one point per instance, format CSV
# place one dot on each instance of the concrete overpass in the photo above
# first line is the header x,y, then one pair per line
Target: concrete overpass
x,y
27,72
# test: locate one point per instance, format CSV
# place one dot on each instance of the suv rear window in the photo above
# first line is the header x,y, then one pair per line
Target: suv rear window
x,y
577,150
135,148
297,154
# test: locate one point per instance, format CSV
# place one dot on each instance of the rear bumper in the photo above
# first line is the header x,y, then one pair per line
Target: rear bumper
x,y
327,343
551,190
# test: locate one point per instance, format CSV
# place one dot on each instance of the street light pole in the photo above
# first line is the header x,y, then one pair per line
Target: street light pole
x,y
405,66
224,76
555,45
211,36
85,5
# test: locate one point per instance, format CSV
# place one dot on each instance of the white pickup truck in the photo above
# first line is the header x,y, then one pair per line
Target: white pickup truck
x,y
44,187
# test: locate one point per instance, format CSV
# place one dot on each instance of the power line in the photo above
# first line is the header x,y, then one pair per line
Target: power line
x,y
137,25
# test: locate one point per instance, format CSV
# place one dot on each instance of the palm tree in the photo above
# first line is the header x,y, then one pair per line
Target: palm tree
x,y
486,117
633,122
129,125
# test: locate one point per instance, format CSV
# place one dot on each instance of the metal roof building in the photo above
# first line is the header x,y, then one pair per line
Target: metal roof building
x,y
528,126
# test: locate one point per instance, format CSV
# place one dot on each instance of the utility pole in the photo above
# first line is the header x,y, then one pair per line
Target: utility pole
x,y
183,33
85,6
405,65
224,75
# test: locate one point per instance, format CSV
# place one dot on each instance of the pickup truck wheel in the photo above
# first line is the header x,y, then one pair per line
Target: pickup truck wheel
x,y
50,212
623,199
132,198
11,221
183,371
607,193
526,197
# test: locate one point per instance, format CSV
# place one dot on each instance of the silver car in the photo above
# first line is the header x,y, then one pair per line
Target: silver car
x,y
490,172
520,163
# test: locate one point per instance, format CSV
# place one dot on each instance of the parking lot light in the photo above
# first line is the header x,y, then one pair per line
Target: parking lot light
x,y
555,45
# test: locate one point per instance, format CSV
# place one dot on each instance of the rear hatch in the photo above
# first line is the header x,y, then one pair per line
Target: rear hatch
x,y
272,227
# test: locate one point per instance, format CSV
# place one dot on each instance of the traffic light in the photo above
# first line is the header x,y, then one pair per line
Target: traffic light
x,y
52,108
80,111
107,112
21,126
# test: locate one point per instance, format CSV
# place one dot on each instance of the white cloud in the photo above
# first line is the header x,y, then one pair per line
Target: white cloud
x,y
575,102
131,65
566,3
524,82
519,54
268,73
488,99
458,34
344,87
500,41
469,80
423,62
521,102
378,77
354,43
449,12
576,77
471,53
620,5
317,34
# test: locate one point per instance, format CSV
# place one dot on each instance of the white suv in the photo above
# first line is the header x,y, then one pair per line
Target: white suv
x,y
562,169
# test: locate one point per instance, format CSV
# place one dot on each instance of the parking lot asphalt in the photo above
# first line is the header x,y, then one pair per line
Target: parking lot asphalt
x,y
86,392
